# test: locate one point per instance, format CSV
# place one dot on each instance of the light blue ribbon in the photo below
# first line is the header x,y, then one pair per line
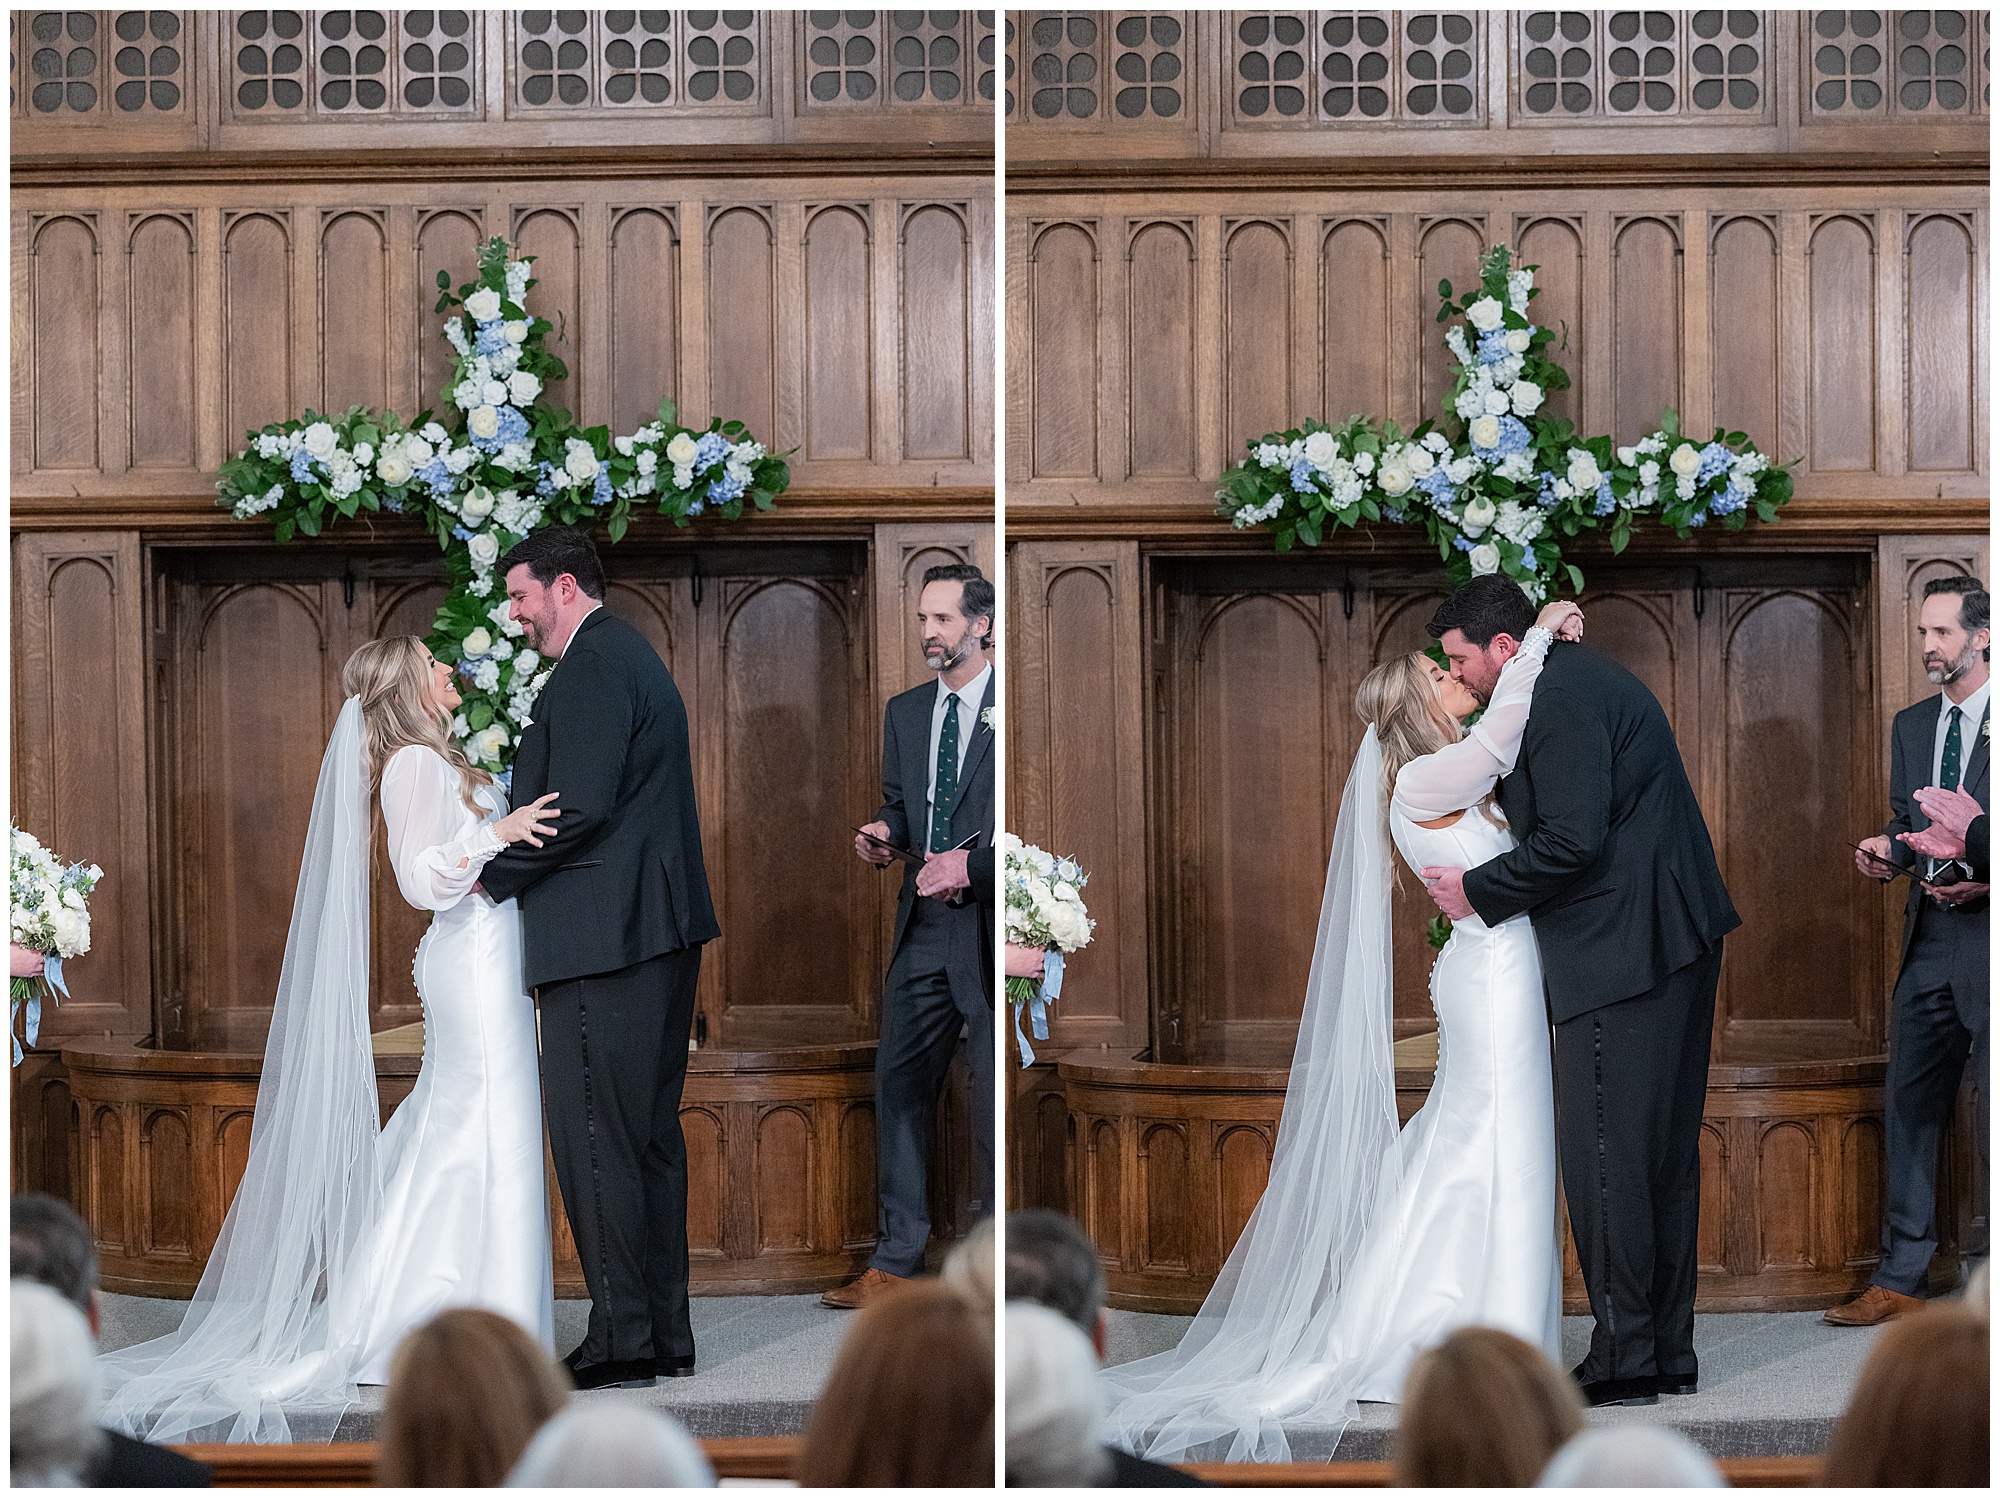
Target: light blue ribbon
x,y
51,970
1037,1007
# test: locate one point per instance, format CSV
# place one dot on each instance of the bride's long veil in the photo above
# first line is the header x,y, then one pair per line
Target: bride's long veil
x,y
1276,1340
260,1355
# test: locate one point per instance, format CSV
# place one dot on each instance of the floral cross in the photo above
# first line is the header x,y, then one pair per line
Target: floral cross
x,y
503,467
1514,481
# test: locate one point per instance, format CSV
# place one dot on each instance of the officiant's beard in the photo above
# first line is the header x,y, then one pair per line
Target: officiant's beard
x,y
940,657
1943,673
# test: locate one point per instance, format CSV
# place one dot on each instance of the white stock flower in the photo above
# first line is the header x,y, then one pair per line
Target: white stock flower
x,y
483,422
1484,431
1485,314
1478,515
680,451
1516,466
364,453
467,395
1364,463
1484,558
1459,469
486,675
483,304
1471,402
502,616
1519,340
648,460
454,334
485,549
514,456
683,475
523,386
1321,449
1686,460
320,440
623,445
517,280
526,662
1497,403
478,642
1649,473
495,392
1519,283
1454,339
1436,442
1526,397
269,445
580,461
1583,472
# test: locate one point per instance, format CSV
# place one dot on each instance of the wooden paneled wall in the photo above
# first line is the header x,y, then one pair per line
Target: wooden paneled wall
x,y
1159,330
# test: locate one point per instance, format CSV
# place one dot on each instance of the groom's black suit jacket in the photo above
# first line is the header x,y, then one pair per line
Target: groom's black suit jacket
x,y
1912,741
906,747
623,879
1613,864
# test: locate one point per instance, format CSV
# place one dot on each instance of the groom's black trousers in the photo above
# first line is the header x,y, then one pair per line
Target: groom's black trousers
x,y
1631,1080
614,1060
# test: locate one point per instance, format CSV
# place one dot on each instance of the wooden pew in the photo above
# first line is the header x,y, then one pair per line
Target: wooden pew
x,y
1741,1471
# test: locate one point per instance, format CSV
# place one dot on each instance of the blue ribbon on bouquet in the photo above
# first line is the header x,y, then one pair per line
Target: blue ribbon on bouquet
x,y
51,970
1038,1006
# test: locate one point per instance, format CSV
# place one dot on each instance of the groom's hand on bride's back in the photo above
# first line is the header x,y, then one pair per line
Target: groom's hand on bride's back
x,y
1447,887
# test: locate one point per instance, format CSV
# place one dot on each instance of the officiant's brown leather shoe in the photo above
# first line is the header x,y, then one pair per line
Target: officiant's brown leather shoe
x,y
872,1285
1872,1307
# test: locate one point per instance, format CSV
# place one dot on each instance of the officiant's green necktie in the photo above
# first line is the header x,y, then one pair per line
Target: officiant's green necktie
x,y
945,800
1948,767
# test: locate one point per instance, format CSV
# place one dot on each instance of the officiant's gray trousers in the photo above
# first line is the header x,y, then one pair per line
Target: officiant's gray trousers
x,y
614,1061
1938,1021
920,1029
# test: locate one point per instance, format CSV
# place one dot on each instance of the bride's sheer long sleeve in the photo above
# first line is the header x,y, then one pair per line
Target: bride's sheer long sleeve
x,y
1460,775
436,864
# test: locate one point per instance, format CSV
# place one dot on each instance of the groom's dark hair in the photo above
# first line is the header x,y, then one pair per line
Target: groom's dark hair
x,y
550,553
975,592
1485,607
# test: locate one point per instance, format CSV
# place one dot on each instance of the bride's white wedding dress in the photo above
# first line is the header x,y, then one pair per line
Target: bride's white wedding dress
x,y
1370,1244
344,1236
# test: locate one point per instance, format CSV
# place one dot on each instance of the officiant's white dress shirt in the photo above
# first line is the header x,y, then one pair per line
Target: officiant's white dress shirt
x,y
969,697
1974,709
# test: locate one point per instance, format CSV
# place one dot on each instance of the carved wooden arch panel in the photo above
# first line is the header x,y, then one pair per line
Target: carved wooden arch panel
x,y
1448,249
1166,1183
1258,318
1840,401
257,321
1940,276
554,236
938,280
1357,367
742,311
166,1185
1745,318
1063,356
160,318
644,327
1161,258
66,293
1554,244
354,317
838,326
1646,332
1787,1195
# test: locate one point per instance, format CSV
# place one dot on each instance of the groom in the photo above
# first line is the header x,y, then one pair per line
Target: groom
x,y
1614,868
614,910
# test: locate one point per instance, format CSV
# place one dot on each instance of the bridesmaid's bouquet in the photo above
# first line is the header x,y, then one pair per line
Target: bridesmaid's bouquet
x,y
1043,909
51,922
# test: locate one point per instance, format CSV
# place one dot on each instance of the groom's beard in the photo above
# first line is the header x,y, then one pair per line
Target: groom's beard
x,y
939,657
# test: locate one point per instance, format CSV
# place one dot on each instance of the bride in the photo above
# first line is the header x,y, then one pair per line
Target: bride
x,y
1369,1245
344,1235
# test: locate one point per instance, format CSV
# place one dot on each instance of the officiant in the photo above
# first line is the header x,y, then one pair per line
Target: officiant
x,y
937,801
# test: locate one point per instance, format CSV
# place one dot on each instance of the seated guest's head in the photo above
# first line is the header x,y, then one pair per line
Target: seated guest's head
x,y
909,1401
612,1446
52,1390
1918,1416
467,1392
1632,1456
51,1246
1482,1409
1055,1403
1052,1262
968,1268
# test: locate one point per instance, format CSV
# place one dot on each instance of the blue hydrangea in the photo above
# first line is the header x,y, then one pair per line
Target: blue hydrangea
x,y
1730,500
600,493
1606,500
710,449
1514,438
513,427
1463,543
1699,517
1493,346
1303,476
461,533
697,507
1392,514
725,489
546,484
392,502
303,464
490,339
1547,497
1714,459
1437,485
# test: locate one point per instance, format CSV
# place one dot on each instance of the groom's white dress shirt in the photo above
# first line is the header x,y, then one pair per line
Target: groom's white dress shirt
x,y
968,697
1974,709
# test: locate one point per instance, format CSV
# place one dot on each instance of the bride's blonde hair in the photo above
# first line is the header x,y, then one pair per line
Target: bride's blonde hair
x,y
392,677
1400,698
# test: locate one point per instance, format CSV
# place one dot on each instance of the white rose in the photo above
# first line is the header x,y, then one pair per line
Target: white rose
x,y
517,332
1526,397
483,304
393,469
1496,403
1583,472
479,503
680,451
523,386
1069,927
487,743
1419,460
72,933
485,549
1686,460
1485,314
483,422
493,393
1484,559
320,441
478,642
1484,431
1321,449
1478,515
581,462
1394,479
1519,340
416,451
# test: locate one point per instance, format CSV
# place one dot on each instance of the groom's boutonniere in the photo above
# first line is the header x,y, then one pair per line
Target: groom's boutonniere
x,y
990,716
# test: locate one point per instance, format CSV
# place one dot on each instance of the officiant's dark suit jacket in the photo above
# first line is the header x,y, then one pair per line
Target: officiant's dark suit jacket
x,y
906,748
1912,738
623,878
1614,864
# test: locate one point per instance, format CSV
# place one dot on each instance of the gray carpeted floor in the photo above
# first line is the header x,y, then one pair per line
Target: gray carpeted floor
x,y
760,1360
1771,1385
